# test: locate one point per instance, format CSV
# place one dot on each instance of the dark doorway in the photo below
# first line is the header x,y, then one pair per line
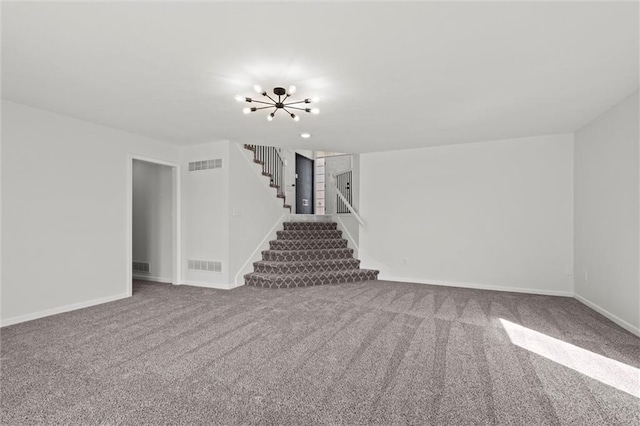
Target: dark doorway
x,y
304,185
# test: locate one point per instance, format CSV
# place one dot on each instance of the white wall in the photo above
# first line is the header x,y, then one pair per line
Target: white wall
x,y
486,215
607,214
205,205
65,194
64,211
152,219
254,211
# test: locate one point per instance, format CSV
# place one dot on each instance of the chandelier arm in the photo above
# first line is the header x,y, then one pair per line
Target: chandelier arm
x,y
301,109
272,100
261,102
297,102
258,109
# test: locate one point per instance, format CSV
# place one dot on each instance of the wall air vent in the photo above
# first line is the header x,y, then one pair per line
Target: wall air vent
x,y
144,267
205,165
205,265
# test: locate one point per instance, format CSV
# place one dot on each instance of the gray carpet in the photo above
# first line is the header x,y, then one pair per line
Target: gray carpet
x,y
361,353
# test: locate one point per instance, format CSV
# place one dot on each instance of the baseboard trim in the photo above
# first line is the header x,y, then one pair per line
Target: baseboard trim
x,y
216,286
164,280
480,286
622,323
61,309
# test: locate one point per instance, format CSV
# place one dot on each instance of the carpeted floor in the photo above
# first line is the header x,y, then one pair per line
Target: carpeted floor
x,y
360,353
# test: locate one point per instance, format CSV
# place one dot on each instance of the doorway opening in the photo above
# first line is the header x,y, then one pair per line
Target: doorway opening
x,y
304,185
153,246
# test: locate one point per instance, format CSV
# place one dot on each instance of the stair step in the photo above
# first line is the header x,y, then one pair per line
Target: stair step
x,y
306,244
267,267
318,234
309,226
309,279
303,255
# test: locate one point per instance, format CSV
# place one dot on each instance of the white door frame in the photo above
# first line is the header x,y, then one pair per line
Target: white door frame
x,y
175,222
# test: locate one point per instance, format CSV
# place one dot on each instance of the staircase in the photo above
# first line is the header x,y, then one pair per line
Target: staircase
x,y
307,254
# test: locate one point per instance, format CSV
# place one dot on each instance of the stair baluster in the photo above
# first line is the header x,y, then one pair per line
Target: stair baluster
x,y
272,166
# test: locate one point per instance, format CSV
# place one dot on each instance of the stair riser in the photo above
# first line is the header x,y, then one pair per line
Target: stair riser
x,y
302,255
325,234
309,226
291,282
298,268
306,244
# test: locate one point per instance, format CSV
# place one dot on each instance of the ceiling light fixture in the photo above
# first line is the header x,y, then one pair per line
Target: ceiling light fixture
x,y
305,135
280,104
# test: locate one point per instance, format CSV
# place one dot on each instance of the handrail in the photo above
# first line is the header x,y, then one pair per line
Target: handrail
x,y
348,204
339,172
346,231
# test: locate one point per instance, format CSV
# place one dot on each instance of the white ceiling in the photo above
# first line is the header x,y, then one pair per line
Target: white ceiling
x,y
390,75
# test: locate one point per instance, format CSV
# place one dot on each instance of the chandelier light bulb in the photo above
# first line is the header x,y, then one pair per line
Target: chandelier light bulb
x,y
315,111
292,90
305,135
258,88
270,117
315,99
240,98
246,110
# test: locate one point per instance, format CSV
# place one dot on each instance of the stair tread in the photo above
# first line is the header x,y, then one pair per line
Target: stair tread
x,y
309,221
292,226
296,266
341,249
308,244
305,262
308,234
275,281
310,239
306,274
307,254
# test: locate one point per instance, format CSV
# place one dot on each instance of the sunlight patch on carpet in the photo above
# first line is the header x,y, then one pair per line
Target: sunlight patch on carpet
x,y
606,370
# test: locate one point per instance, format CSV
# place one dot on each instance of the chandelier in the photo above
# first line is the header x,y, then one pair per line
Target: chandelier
x,y
277,105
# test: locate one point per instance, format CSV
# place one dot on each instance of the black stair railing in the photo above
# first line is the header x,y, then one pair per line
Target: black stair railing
x,y
343,183
272,165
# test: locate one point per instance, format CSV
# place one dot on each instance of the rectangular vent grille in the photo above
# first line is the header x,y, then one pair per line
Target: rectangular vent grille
x,y
205,165
141,267
205,265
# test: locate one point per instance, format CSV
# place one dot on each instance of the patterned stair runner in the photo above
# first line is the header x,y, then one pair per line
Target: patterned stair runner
x,y
307,254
